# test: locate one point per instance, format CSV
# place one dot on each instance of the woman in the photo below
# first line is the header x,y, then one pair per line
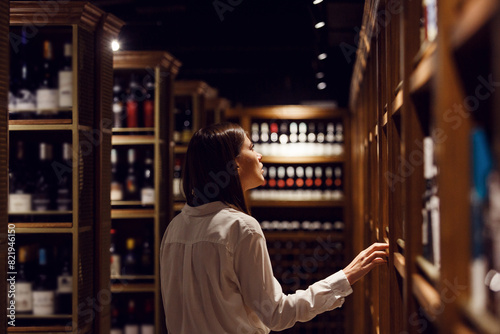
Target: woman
x,y
216,275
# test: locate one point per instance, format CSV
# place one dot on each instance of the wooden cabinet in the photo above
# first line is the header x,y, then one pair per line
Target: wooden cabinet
x,y
425,154
304,206
53,155
141,202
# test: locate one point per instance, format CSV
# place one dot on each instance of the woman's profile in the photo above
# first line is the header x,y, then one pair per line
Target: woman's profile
x,y
216,274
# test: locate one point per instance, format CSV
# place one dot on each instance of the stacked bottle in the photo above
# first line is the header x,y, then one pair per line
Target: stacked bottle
x,y
303,138
133,181
133,320
41,184
306,225
131,256
298,182
40,86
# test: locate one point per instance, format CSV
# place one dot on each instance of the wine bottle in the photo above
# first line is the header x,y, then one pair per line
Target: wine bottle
x,y
299,182
131,325
329,139
47,94
147,255
116,184
149,104
43,290
177,179
148,321
148,183
66,78
43,194
281,172
255,136
283,137
290,180
24,286
264,138
339,138
116,325
130,262
294,137
20,196
132,106
64,290
320,139
115,258
271,182
337,183
24,83
131,181
64,196
118,104
273,139
187,124
311,138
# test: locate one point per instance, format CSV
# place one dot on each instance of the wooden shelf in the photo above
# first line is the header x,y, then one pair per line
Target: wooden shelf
x,y
46,121
131,203
302,204
133,140
178,206
132,213
430,270
180,149
475,15
42,329
132,277
384,119
63,225
421,76
482,320
295,112
14,126
41,213
303,159
397,104
120,130
132,287
53,316
427,296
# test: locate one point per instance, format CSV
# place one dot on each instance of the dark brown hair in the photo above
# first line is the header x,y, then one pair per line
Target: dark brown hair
x,y
210,172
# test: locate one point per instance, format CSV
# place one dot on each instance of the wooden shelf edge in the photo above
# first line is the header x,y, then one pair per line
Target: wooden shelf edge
x,y
424,70
397,104
132,287
303,159
475,14
132,213
483,320
428,268
400,264
43,329
303,235
426,295
384,120
133,140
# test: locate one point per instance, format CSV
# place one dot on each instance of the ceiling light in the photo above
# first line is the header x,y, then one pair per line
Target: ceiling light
x,y
322,56
115,45
321,85
315,2
320,75
319,25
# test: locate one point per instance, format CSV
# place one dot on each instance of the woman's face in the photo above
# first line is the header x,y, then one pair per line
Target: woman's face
x,y
249,166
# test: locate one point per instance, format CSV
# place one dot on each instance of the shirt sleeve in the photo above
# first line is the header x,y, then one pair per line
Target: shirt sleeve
x,y
263,294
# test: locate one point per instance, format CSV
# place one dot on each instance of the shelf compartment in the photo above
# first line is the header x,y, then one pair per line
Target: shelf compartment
x,y
303,159
39,127
133,140
430,270
121,130
303,235
132,287
426,294
475,15
43,121
483,320
132,213
40,329
425,69
275,203
400,264
132,277
130,203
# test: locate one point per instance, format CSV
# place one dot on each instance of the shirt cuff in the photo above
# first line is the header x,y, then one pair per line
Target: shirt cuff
x,y
339,284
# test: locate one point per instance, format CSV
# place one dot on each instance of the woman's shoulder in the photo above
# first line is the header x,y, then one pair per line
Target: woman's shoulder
x,y
242,221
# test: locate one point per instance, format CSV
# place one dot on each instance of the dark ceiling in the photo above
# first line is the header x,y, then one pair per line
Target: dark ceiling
x,y
258,52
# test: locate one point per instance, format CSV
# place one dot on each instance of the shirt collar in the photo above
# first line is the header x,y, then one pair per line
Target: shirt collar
x,y
204,209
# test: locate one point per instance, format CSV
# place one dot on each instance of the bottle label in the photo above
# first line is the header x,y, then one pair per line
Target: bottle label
x,y
25,100
148,196
131,329
41,204
116,192
65,284
19,203
65,89
147,329
47,101
115,267
24,297
43,302
177,187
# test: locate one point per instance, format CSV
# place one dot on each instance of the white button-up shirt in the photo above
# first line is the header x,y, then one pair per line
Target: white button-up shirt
x,y
216,277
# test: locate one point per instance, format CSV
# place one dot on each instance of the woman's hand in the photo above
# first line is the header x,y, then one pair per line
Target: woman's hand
x,y
366,261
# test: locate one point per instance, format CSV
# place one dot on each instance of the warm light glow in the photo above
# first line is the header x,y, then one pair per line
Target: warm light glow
x,y
320,75
319,25
322,56
315,2
115,45
321,85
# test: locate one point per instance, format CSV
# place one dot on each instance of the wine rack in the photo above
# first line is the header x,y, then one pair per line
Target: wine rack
x,y
53,217
425,126
303,215
139,219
